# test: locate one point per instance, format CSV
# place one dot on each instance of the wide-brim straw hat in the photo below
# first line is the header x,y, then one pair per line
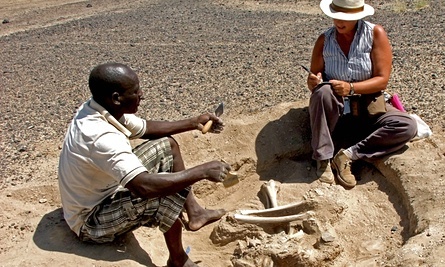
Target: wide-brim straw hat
x,y
346,9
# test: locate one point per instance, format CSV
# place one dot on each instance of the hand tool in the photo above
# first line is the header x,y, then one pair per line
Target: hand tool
x,y
218,112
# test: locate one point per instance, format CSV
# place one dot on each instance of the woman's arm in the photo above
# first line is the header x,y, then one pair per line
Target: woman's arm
x,y
317,63
381,57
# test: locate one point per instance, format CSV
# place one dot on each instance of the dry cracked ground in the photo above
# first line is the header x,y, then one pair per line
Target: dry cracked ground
x,y
191,55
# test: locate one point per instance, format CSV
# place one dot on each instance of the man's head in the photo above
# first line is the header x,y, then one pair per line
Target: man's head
x,y
115,86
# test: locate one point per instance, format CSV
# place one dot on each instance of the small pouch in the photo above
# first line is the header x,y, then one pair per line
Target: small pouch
x,y
375,104
372,105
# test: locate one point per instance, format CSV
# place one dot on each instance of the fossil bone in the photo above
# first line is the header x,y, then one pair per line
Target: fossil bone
x,y
270,190
280,209
280,219
273,213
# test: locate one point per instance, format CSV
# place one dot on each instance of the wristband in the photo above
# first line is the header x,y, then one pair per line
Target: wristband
x,y
351,91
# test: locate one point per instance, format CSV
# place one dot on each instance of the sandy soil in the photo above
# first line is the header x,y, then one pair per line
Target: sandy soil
x,y
394,217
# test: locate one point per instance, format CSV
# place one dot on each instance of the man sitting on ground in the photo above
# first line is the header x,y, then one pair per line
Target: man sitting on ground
x,y
107,188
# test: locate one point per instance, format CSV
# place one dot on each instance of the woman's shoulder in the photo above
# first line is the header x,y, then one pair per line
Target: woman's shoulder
x,y
375,28
372,26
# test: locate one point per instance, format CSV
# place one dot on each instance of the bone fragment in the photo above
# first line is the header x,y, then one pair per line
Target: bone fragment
x,y
271,211
270,190
297,235
281,219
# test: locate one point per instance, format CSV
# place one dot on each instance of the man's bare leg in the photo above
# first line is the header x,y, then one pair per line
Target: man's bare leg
x,y
197,215
173,239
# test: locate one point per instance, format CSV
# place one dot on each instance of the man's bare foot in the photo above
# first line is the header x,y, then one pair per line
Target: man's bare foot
x,y
176,263
204,217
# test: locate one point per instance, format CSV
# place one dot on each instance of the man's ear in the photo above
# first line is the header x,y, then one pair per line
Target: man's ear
x,y
115,97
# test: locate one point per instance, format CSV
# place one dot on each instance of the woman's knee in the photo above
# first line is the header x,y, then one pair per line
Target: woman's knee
x,y
407,127
411,127
324,90
322,94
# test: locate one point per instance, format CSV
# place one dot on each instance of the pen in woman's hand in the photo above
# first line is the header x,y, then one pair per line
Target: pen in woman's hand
x,y
306,69
310,72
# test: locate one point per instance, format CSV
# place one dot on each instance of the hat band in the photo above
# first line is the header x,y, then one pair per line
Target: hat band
x,y
347,10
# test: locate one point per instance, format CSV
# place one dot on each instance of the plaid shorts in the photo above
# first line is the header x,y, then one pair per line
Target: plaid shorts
x,y
123,212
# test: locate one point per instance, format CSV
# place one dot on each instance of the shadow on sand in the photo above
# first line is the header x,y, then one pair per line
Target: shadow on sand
x,y
284,150
53,234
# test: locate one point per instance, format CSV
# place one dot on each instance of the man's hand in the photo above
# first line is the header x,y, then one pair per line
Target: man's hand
x,y
217,126
150,185
216,171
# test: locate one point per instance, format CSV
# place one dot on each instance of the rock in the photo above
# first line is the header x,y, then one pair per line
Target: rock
x,y
239,250
310,226
327,237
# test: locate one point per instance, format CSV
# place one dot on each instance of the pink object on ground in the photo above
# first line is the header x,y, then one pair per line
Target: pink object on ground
x,y
395,101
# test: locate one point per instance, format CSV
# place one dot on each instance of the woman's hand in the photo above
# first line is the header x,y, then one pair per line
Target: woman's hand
x,y
340,88
313,80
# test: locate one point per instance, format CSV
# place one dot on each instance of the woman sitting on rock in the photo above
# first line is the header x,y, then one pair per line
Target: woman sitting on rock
x,y
354,60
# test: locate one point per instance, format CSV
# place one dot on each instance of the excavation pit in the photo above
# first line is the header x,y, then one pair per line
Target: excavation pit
x,y
372,224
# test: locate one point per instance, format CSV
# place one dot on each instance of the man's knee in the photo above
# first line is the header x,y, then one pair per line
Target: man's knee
x,y
173,145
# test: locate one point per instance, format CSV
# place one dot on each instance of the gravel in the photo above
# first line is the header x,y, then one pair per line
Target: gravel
x,y
190,55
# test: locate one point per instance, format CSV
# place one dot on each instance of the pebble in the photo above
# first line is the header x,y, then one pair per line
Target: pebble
x,y
393,229
327,237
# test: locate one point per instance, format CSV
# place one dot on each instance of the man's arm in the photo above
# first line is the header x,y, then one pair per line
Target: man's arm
x,y
158,129
162,184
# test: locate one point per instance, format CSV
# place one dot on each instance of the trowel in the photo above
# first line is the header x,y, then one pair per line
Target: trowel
x,y
218,112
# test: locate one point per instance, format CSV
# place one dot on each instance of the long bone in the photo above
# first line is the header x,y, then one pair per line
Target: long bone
x,y
273,213
286,209
277,220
